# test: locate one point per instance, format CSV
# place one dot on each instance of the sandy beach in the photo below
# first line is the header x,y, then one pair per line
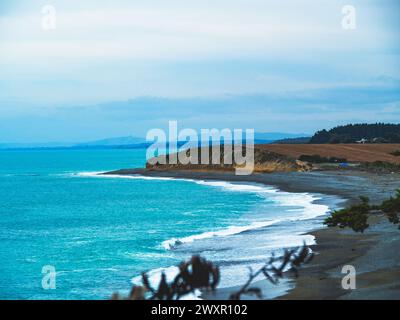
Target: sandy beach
x,y
374,254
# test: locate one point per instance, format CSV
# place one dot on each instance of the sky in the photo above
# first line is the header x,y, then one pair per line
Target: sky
x,y
118,68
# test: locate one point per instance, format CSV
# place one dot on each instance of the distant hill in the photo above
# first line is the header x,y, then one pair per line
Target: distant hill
x,y
129,142
300,140
351,133
119,141
35,145
273,136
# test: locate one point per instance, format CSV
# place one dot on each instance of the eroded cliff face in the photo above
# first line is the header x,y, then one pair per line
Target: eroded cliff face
x,y
264,161
280,166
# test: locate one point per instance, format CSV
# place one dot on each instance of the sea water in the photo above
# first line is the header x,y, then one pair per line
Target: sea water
x,y
100,232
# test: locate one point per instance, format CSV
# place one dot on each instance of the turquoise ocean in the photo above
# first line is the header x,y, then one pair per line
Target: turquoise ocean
x,y
100,233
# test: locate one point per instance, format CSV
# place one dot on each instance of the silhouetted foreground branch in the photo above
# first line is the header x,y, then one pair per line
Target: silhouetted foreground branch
x,y
198,273
274,270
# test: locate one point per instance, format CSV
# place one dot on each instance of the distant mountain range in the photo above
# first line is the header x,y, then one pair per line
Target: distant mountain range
x,y
35,145
110,142
120,141
132,142
273,136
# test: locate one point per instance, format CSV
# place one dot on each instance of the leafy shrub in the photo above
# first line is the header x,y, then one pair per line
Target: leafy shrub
x,y
391,208
354,217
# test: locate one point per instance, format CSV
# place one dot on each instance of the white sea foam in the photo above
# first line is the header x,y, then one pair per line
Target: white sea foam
x,y
228,186
302,204
95,174
86,174
172,243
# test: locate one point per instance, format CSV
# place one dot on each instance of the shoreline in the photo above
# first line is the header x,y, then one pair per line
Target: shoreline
x,y
373,253
345,184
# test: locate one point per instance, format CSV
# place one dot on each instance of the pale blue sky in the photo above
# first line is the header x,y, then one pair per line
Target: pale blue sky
x,y
115,68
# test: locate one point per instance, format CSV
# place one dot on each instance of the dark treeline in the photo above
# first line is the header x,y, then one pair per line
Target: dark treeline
x,y
351,133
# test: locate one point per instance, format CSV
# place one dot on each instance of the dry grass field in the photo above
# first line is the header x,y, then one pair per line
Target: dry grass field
x,y
352,152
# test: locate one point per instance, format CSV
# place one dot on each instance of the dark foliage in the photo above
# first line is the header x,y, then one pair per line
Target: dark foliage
x,y
380,167
356,216
199,273
378,133
391,208
319,159
396,153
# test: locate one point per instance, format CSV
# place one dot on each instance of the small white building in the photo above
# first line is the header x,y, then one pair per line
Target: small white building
x,y
363,140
